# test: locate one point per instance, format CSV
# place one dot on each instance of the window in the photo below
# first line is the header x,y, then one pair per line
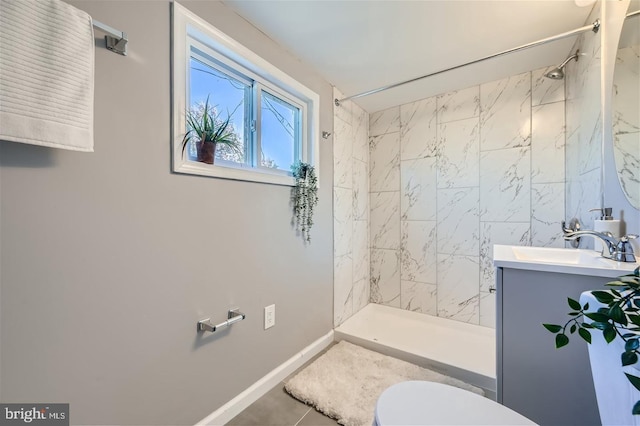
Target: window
x,y
272,118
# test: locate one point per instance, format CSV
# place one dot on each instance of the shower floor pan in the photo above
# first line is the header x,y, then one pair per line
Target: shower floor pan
x,y
464,351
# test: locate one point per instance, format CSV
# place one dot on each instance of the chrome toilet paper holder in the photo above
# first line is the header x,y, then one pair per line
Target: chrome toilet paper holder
x,y
233,316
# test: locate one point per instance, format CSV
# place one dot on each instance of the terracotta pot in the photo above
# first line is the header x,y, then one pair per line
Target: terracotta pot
x,y
206,152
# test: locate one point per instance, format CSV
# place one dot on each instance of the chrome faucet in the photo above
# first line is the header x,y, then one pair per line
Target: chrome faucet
x,y
614,249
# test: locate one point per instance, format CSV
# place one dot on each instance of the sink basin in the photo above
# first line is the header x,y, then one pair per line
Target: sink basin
x,y
557,255
583,262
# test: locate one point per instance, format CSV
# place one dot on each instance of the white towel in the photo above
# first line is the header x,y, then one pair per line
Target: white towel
x,y
46,74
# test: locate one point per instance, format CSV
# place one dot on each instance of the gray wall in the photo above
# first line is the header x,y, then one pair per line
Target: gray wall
x,y
108,260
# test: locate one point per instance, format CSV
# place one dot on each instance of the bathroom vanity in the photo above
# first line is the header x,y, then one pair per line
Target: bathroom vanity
x,y
549,386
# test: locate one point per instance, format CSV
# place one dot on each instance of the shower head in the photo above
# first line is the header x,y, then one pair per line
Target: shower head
x,y
555,74
558,72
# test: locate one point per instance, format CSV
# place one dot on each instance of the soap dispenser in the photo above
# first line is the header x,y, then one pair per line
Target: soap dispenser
x,y
605,223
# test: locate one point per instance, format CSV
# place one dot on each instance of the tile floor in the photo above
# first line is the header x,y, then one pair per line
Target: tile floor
x,y
278,408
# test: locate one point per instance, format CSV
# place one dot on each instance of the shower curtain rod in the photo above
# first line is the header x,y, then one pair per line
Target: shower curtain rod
x,y
629,15
593,27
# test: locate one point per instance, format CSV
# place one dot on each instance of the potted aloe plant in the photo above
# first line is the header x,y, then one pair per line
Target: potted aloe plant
x,y
206,129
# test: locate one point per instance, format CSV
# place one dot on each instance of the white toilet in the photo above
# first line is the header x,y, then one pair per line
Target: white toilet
x,y
429,403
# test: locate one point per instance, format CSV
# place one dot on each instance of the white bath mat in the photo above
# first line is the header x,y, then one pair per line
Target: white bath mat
x,y
346,381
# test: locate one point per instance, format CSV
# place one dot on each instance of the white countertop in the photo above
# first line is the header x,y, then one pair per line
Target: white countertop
x,y
562,260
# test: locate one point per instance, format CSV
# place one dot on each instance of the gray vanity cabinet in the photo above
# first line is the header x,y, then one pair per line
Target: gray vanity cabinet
x,y
549,386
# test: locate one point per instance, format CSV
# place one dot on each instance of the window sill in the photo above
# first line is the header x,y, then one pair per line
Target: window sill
x,y
251,175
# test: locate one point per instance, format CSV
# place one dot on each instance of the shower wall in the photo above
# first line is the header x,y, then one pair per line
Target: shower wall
x,y
584,130
453,174
351,209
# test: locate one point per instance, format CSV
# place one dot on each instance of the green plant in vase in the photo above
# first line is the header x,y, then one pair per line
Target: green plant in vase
x,y
304,197
620,318
207,130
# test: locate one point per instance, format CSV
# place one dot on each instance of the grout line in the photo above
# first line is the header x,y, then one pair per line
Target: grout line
x,y
399,206
479,202
303,416
531,171
438,159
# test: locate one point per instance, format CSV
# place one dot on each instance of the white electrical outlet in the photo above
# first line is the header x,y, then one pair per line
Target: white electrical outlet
x,y
269,316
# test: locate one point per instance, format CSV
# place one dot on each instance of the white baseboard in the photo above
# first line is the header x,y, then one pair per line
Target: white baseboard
x,y
232,408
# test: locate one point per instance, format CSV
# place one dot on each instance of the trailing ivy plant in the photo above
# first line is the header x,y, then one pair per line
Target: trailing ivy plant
x,y
304,197
621,317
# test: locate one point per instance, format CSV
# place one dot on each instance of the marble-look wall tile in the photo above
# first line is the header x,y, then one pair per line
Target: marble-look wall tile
x,y
418,251
505,185
458,221
343,112
545,90
342,221
418,188
419,297
583,120
583,135
458,153
582,194
459,104
505,233
360,252
505,113
627,148
384,166
488,310
582,75
547,143
584,184
342,153
361,134
547,214
583,106
342,289
385,277
383,122
361,294
583,142
572,124
586,154
458,288
360,190
586,158
385,220
350,209
626,121
418,129
475,167
626,111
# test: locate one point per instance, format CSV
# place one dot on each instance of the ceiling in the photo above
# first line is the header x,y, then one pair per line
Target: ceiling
x,y
360,45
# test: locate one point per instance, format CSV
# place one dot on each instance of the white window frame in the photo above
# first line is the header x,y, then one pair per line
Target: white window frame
x,y
189,29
